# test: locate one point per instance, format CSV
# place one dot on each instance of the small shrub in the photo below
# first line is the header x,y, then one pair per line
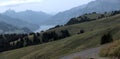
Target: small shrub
x,y
106,38
82,31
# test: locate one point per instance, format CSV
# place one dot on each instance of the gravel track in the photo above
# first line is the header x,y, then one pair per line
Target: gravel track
x,y
86,54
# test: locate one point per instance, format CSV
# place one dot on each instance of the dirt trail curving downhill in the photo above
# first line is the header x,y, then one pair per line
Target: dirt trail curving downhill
x,y
86,54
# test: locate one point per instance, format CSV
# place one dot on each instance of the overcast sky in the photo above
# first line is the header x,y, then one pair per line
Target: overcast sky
x,y
48,6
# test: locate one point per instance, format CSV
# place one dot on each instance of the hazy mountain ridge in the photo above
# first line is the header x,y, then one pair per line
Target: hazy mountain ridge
x,y
7,29
17,23
99,6
42,18
30,16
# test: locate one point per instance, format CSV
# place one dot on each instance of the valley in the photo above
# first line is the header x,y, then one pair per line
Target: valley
x,y
77,42
86,29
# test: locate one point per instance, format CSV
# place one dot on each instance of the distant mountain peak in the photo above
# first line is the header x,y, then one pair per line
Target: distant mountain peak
x,y
29,11
99,6
112,1
34,17
10,11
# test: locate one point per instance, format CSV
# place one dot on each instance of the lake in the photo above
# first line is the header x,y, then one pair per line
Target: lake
x,y
44,27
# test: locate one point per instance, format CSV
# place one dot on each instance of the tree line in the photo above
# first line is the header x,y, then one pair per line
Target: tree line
x,y
85,18
14,41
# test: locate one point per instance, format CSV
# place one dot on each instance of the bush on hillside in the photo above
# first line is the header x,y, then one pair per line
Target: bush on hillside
x,y
81,31
106,38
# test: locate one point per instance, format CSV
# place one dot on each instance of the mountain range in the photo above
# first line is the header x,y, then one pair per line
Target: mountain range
x,y
98,6
7,29
30,16
17,22
31,19
42,18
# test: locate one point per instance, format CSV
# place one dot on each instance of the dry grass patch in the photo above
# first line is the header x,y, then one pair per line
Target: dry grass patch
x,y
77,57
111,50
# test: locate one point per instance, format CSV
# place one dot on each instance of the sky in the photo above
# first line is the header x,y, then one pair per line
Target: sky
x,y
48,6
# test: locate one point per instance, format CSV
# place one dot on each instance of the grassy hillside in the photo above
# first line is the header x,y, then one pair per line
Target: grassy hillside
x,y
94,30
91,17
92,25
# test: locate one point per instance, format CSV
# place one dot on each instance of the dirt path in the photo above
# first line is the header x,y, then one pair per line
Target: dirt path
x,y
86,54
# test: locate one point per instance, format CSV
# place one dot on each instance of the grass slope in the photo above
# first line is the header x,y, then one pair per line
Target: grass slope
x,y
77,42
